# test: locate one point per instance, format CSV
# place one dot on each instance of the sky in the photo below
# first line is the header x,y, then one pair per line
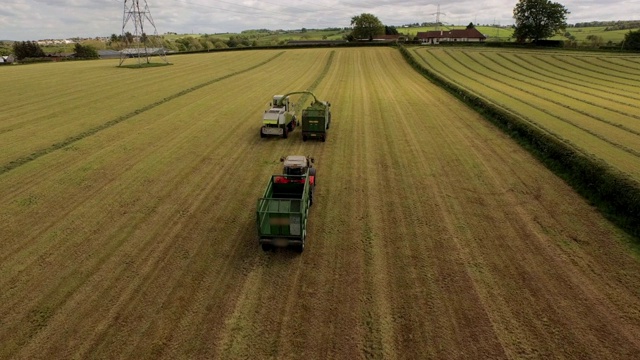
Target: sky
x,y
23,20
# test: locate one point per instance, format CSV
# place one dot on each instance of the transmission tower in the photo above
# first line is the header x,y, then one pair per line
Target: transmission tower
x,y
138,42
437,14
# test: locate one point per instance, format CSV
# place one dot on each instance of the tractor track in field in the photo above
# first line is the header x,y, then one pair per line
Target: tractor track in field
x,y
70,140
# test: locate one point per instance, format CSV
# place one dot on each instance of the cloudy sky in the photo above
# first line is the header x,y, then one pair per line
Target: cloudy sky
x,y
56,19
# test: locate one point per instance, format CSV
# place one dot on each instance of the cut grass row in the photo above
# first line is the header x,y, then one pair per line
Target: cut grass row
x,y
581,111
594,148
69,100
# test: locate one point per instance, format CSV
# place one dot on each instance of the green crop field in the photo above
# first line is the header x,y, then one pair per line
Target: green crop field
x,y
590,100
128,209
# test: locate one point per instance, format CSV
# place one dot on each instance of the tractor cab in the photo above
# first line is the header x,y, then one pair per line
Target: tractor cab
x,y
296,168
296,165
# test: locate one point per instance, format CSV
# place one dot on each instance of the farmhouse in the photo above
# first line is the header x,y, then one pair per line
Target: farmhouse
x,y
456,35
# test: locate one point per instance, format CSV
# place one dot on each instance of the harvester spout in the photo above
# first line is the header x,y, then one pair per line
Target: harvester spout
x,y
295,93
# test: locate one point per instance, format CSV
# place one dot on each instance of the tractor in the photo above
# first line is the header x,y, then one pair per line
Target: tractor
x,y
283,209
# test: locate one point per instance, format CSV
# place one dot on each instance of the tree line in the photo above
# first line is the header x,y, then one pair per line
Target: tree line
x,y
535,20
610,25
32,50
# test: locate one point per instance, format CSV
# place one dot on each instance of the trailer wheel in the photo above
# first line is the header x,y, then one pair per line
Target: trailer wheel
x,y
266,247
261,133
324,137
300,248
285,133
304,137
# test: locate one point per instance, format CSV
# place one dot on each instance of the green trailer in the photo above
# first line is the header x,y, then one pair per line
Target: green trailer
x,y
316,120
283,209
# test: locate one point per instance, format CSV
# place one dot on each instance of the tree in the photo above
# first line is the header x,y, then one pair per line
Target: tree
x,y
5,48
390,30
471,26
594,41
366,26
538,19
128,37
85,52
632,40
27,49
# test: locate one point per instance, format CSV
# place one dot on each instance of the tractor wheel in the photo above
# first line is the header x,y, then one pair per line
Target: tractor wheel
x,y
261,133
312,172
266,247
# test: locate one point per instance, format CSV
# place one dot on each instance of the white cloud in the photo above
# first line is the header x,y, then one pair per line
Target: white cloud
x,y
41,19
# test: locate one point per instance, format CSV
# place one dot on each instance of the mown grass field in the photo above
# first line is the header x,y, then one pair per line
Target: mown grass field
x,y
591,101
127,223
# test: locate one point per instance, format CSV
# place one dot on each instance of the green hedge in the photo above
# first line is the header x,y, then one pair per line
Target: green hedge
x,y
615,194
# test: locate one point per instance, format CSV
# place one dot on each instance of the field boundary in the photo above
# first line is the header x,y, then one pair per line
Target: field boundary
x,y
72,139
614,193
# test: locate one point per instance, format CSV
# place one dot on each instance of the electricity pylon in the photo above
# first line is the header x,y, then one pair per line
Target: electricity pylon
x,y
138,43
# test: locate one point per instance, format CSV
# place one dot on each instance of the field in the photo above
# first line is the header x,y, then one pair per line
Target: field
x,y
128,221
590,100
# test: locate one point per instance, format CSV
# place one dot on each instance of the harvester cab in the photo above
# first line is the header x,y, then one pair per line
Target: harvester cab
x,y
281,102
